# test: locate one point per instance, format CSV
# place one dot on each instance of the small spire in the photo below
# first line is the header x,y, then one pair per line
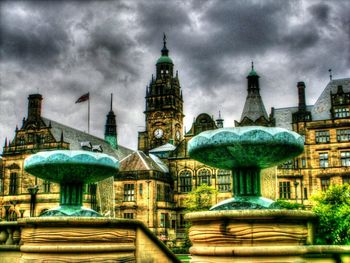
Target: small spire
x,y
165,51
50,126
330,74
16,127
61,136
164,40
111,101
5,142
252,65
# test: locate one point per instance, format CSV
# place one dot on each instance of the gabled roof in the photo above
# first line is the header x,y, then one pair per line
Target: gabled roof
x,y
321,109
139,161
77,138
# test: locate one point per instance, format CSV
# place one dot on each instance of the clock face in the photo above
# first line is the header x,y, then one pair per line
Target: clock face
x,y
178,135
158,133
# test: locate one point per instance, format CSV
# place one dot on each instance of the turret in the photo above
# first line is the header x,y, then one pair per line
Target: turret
x,y
111,127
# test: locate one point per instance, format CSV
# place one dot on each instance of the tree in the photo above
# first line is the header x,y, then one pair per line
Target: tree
x,y
200,199
333,210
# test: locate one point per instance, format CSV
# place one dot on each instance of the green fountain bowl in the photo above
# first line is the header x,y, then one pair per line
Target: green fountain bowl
x,y
251,146
71,166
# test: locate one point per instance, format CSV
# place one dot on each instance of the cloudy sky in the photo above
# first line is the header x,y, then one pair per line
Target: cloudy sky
x,y
63,49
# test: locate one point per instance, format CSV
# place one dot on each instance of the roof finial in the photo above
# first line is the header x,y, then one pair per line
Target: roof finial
x,y
164,40
219,114
252,65
165,51
330,74
111,101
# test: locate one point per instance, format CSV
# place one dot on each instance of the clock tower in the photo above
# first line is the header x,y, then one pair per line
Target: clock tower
x,y
164,106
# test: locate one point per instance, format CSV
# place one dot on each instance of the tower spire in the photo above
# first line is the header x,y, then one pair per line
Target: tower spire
x,y
111,101
111,127
165,51
330,74
252,65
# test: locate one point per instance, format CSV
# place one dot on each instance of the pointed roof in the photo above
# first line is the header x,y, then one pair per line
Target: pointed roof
x,y
254,107
139,161
322,107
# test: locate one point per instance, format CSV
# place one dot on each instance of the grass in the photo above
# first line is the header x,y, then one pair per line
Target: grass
x,y
184,258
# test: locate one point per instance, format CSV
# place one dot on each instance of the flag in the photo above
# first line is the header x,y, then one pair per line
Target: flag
x,y
83,98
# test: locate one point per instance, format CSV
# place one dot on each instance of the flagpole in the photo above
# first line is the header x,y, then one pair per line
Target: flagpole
x,y
89,114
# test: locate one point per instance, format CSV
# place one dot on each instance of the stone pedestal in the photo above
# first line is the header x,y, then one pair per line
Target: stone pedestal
x,y
257,236
79,239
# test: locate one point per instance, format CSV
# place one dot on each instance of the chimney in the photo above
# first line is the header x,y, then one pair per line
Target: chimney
x,y
34,107
301,95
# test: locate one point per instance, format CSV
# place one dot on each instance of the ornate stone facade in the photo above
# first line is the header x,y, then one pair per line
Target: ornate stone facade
x,y
326,128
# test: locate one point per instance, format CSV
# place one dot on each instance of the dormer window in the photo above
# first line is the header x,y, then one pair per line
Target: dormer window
x,y
86,146
97,148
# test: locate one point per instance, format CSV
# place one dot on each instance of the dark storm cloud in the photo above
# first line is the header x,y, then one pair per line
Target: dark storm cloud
x,y
29,39
63,49
321,12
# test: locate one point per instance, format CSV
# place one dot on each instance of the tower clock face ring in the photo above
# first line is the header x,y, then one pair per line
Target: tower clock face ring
x,y
158,133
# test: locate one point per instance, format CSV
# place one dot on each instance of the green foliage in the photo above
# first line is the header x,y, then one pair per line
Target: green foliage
x,y
201,198
288,205
333,210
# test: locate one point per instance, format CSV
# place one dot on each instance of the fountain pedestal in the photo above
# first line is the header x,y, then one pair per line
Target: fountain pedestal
x,y
248,227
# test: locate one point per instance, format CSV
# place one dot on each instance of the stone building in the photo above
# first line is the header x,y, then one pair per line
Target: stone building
x,y
326,128
27,195
154,180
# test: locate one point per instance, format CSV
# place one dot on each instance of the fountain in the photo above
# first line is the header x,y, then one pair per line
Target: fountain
x,y
71,169
248,227
72,233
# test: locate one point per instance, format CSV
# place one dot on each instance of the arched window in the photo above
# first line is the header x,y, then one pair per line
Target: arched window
x,y
224,181
204,177
13,184
185,178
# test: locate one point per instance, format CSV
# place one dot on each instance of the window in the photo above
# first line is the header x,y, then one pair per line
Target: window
x,y
203,177
129,192
185,181
182,222
323,160
287,165
303,163
284,190
224,181
342,112
168,193
46,186
13,184
322,136
141,189
346,179
164,220
305,193
325,183
129,215
343,135
159,193
345,158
